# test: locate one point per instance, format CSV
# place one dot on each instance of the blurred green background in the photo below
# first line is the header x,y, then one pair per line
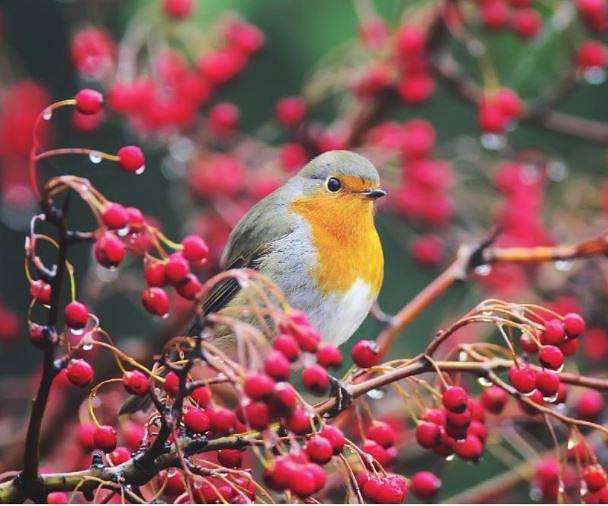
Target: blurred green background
x,y
299,33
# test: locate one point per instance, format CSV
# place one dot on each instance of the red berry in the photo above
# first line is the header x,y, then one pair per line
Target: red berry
x,y
177,9
197,420
478,429
569,347
574,325
136,382
104,438
84,435
88,101
494,13
425,485
377,452
221,66
277,366
41,291
528,344
551,357
366,354
284,399
436,416
257,415
319,450
428,250
315,379
382,433
298,422
133,435
156,301
223,119
591,54
491,119
258,386
76,315
190,287
554,332
391,489
79,372
244,37
292,156
590,405
230,458
36,333
131,159
329,356
547,471
194,249
288,346
494,399
526,23
470,448
415,88
595,477
455,399
523,379
410,41
109,250
428,435
302,482
222,421
462,419
171,384
176,269
290,111
114,216
154,272
547,383
201,395
279,474
335,436
509,103
57,498
120,455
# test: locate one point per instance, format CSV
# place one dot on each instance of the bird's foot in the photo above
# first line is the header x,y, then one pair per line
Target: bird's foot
x,y
343,397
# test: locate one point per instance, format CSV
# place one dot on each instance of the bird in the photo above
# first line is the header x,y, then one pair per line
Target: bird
x,y
315,238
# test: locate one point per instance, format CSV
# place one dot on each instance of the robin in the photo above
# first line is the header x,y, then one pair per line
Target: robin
x,y
315,238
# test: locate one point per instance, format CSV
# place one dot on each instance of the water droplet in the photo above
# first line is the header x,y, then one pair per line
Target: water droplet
x,y
77,332
47,114
463,356
571,444
165,316
123,232
95,157
140,170
449,458
483,270
376,394
484,382
493,142
595,75
584,488
87,344
557,170
563,265
553,398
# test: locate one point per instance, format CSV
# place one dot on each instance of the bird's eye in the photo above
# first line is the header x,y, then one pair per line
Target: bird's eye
x,y
333,184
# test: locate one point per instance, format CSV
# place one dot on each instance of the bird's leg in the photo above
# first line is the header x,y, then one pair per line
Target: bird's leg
x,y
343,397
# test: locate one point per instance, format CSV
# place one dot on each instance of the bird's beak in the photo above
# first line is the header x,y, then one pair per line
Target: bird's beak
x,y
374,193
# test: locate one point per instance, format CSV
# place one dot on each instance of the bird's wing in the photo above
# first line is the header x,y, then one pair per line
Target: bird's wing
x,y
249,243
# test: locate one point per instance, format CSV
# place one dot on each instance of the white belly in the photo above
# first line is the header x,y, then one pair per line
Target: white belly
x,y
339,318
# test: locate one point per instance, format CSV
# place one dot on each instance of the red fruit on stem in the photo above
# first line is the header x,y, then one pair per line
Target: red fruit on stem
x,y
454,399
277,366
494,399
319,450
41,291
222,421
79,372
131,159
76,315
136,382
288,346
120,455
223,119
177,9
176,268
523,378
257,415
88,101
547,383
201,395
171,384
197,420
425,485
470,448
590,405
194,249
366,354
104,438
109,250
230,458
551,357
290,111
154,272
335,436
526,23
258,386
554,332
382,433
574,325
428,435
595,477
315,379
115,216
329,356
156,301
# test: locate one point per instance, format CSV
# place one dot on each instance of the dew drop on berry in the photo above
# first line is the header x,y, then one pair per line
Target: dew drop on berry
x,y
595,75
563,265
451,457
484,382
47,114
95,157
493,142
140,170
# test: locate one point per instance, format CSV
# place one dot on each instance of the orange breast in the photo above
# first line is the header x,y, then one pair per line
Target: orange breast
x,y
347,244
